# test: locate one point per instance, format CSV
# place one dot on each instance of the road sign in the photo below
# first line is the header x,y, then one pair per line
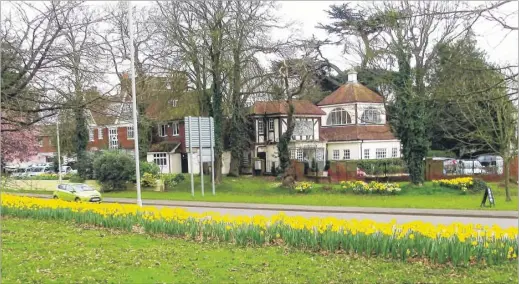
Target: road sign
x,y
199,133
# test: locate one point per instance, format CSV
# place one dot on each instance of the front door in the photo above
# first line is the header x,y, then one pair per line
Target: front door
x,y
184,163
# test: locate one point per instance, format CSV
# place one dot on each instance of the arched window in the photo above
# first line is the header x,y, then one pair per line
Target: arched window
x,y
370,115
338,116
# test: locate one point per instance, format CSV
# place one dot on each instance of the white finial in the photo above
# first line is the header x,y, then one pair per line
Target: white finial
x,y
352,76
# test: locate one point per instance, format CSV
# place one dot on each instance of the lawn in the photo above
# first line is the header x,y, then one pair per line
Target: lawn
x,y
259,190
81,254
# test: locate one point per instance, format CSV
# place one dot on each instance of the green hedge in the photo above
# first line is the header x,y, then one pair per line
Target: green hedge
x,y
382,166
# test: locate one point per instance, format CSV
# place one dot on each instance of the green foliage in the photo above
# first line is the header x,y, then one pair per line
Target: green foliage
x,y
382,166
113,170
81,141
409,119
478,185
148,168
171,180
148,180
76,178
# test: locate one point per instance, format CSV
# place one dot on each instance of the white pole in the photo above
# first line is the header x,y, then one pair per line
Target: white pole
x,y
59,153
189,126
134,106
211,137
200,148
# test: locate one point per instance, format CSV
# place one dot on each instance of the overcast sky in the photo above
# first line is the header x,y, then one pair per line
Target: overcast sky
x,y
500,45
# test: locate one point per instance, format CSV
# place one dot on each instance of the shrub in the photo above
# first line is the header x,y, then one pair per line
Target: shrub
x,y
179,178
149,168
303,187
113,170
148,180
478,185
171,180
382,166
75,178
327,187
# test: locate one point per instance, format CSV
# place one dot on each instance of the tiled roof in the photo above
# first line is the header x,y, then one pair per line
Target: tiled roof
x,y
164,146
301,107
352,93
357,132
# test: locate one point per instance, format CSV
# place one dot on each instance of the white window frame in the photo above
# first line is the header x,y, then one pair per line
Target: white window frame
x,y
91,134
366,154
394,153
299,154
174,103
371,115
100,133
261,127
381,153
129,129
271,124
292,154
346,154
335,155
160,159
40,142
163,130
175,126
113,140
338,116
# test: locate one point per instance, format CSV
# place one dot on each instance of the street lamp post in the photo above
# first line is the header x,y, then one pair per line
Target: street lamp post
x,y
134,106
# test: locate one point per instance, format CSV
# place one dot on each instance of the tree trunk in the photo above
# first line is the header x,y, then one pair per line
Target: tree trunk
x,y
507,179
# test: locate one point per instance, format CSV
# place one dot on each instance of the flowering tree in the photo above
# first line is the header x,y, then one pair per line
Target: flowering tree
x,y
18,145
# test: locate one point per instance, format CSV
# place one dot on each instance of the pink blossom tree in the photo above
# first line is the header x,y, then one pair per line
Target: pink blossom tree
x,y
19,144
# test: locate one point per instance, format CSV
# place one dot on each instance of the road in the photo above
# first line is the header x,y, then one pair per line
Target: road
x,y
401,215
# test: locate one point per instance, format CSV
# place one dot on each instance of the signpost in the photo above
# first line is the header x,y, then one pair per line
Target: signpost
x,y
488,194
200,134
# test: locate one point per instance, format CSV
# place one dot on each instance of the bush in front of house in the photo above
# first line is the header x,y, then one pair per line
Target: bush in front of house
x,y
171,180
148,180
113,169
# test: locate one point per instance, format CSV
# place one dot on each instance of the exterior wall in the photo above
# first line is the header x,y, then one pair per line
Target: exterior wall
x,y
271,156
180,138
99,143
47,146
357,148
175,165
226,162
353,146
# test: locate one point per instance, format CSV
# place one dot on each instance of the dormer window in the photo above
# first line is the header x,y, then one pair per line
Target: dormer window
x,y
338,116
371,116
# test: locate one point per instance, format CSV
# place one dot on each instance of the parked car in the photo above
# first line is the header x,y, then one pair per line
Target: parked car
x,y
36,171
20,172
77,192
67,170
470,167
492,162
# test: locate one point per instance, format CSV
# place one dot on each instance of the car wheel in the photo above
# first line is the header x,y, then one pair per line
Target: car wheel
x,y
77,199
55,197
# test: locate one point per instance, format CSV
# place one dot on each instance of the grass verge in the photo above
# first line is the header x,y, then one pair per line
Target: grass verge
x,y
259,190
81,254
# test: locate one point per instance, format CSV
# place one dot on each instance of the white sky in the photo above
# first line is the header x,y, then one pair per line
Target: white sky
x,y
501,46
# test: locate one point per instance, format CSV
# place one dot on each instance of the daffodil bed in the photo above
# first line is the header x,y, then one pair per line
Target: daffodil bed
x,y
458,244
462,184
361,187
